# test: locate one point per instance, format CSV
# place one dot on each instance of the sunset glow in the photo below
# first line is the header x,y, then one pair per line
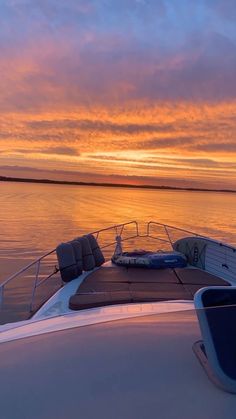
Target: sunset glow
x,y
134,91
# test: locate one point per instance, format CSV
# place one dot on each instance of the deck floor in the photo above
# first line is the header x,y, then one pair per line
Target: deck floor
x,y
120,285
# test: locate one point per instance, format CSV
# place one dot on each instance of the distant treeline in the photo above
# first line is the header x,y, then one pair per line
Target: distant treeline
x,y
106,184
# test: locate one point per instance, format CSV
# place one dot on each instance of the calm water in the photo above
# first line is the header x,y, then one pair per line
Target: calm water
x,y
35,218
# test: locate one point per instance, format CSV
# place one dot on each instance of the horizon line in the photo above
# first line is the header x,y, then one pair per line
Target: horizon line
x,y
109,184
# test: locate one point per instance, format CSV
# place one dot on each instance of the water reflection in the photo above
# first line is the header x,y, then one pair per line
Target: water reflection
x,y
35,218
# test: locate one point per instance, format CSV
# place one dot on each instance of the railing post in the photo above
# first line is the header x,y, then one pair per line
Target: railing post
x,y
167,233
148,228
1,295
137,228
35,284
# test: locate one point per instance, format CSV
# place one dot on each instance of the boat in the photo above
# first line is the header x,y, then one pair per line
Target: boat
x,y
126,340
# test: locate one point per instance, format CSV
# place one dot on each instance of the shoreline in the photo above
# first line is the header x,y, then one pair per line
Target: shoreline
x,y
111,185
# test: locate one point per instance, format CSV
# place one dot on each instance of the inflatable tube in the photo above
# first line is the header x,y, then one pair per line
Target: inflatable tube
x,y
151,260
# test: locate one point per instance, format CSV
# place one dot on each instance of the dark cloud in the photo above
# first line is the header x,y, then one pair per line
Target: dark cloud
x,y
205,163
196,142
70,151
67,151
162,143
153,162
102,126
215,147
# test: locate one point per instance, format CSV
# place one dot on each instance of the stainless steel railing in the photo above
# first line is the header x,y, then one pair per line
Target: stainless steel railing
x,y
118,229
163,233
168,230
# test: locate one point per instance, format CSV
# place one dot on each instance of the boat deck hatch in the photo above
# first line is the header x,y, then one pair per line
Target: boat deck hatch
x,y
120,285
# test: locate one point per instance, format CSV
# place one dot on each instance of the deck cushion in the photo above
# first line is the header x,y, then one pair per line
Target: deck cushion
x,y
122,274
111,285
152,275
93,286
78,255
87,255
96,251
199,277
98,299
157,292
67,262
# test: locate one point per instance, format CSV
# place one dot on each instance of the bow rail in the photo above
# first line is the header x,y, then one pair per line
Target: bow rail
x,y
165,234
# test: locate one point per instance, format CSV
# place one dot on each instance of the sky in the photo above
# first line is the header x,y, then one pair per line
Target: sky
x,y
122,91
